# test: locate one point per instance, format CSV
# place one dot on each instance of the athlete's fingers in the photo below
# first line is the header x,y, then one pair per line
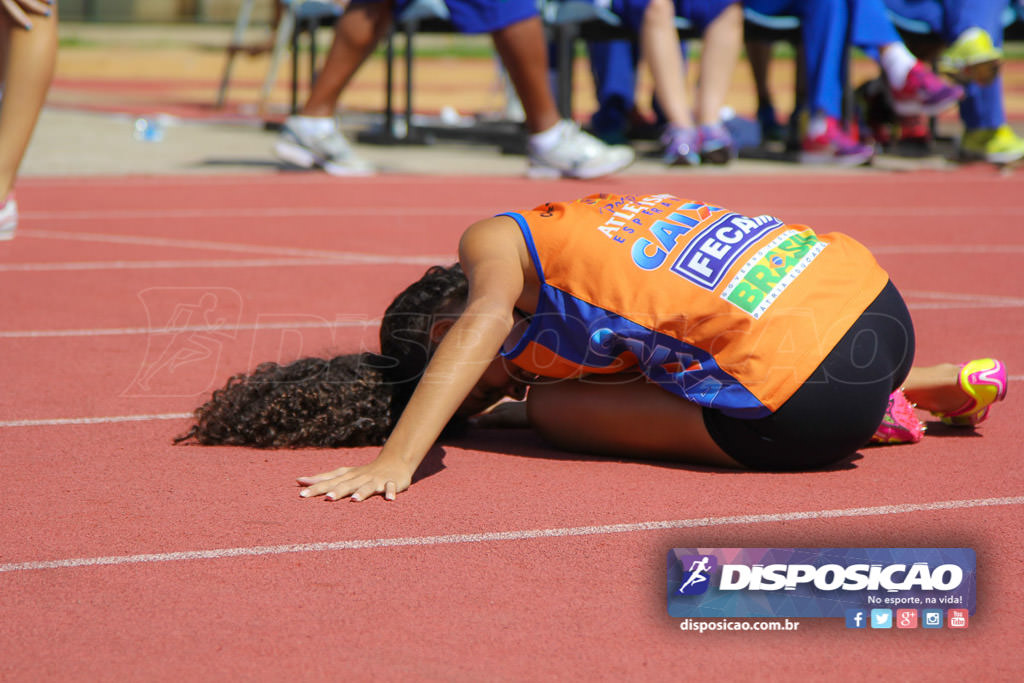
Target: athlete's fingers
x,y
367,490
35,6
317,478
334,485
345,487
17,14
318,489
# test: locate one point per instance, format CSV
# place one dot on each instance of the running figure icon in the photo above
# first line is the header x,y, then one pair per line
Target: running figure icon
x,y
699,570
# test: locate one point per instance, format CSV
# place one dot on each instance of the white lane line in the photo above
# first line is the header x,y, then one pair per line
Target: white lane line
x,y
948,306
480,212
965,300
527,534
908,249
255,212
92,420
352,257
320,180
961,296
114,331
183,264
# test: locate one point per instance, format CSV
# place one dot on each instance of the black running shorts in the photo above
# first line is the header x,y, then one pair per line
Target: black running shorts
x,y
839,407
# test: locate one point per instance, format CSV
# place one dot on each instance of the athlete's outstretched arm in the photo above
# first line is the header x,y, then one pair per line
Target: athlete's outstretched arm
x,y
490,257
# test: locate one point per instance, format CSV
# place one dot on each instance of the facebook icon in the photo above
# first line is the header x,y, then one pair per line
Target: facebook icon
x,y
856,618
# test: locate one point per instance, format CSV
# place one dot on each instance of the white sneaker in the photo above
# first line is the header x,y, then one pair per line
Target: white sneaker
x,y
308,141
577,154
8,217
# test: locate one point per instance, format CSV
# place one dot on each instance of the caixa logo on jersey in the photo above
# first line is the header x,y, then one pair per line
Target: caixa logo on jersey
x,y
816,582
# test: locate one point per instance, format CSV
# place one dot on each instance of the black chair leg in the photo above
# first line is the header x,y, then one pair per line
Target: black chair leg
x,y
295,68
565,42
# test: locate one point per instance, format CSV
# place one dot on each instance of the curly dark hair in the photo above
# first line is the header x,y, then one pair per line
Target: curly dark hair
x,y
344,401
405,328
348,400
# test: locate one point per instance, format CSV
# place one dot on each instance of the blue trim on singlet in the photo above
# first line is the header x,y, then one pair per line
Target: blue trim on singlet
x,y
591,336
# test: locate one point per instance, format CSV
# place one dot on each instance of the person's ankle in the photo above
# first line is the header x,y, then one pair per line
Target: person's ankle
x,y
316,112
940,395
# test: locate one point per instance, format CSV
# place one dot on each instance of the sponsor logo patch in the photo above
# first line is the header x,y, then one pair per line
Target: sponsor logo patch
x,y
708,257
771,270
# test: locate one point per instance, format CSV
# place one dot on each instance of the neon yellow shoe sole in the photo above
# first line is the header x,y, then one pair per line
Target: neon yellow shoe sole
x,y
972,57
985,382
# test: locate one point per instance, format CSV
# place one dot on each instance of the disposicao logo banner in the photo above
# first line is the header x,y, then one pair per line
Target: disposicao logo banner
x,y
817,582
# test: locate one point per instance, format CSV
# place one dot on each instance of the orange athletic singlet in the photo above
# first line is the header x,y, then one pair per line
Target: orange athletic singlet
x,y
729,311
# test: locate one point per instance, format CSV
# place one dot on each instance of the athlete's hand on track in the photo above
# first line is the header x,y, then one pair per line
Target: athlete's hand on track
x,y
358,483
20,9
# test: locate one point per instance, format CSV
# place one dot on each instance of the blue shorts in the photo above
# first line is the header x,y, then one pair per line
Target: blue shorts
x,y
949,19
477,16
700,13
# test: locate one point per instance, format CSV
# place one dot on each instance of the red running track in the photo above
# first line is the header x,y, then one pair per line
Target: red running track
x,y
121,556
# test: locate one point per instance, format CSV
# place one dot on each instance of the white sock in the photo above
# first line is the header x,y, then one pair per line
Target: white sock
x,y
897,61
314,124
818,125
546,139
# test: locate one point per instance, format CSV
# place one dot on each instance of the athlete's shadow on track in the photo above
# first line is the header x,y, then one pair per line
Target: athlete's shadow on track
x,y
432,463
940,429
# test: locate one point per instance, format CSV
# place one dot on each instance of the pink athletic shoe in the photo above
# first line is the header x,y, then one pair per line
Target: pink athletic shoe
x,y
900,424
925,93
834,146
984,381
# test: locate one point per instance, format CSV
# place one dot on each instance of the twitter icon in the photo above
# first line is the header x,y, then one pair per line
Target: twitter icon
x,y
881,618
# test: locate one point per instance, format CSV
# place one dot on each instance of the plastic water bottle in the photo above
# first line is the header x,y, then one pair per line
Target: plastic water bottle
x,y
149,129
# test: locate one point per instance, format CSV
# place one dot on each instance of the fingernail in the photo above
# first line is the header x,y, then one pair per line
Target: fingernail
x,y
356,497
330,496
304,493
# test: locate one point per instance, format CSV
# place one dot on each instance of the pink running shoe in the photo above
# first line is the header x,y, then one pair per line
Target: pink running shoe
x,y
925,93
985,382
834,147
900,424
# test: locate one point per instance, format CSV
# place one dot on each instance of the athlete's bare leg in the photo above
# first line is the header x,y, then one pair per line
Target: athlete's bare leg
x,y
935,388
624,416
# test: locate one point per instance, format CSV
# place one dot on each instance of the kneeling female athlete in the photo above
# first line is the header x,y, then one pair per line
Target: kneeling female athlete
x,y
648,326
